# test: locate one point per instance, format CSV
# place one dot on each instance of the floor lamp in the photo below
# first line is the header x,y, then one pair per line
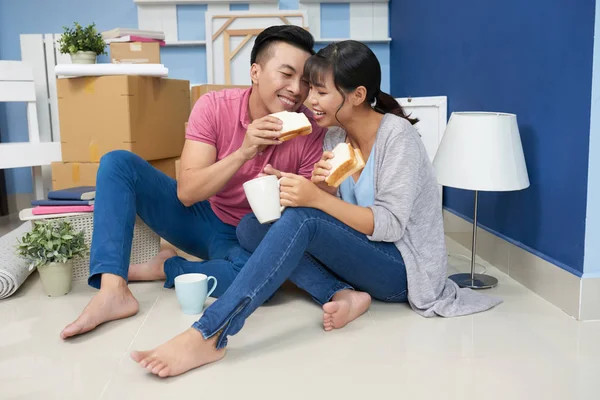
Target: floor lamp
x,y
481,151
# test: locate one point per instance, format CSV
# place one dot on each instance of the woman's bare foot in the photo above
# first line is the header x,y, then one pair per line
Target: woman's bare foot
x,y
344,307
108,304
181,354
153,270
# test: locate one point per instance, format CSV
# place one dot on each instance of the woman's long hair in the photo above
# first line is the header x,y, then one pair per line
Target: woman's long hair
x,y
353,64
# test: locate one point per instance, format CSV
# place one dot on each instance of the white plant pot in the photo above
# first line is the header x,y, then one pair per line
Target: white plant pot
x,y
83,57
56,278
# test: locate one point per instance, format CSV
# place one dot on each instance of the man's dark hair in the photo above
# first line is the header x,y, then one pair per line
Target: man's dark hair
x,y
290,34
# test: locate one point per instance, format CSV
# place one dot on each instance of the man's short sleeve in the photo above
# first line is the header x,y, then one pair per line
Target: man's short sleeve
x,y
202,124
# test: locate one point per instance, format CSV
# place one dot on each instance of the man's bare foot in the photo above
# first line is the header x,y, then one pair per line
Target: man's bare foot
x,y
153,270
181,354
107,305
344,307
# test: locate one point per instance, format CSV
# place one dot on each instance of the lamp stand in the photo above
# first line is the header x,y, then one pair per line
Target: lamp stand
x,y
473,280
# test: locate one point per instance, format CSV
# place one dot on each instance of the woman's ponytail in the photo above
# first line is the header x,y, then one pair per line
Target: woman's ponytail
x,y
384,103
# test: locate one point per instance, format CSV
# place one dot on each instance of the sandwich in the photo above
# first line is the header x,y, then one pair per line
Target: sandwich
x,y
294,124
346,162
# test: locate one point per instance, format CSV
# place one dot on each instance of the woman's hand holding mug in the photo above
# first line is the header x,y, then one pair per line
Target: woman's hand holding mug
x,y
297,191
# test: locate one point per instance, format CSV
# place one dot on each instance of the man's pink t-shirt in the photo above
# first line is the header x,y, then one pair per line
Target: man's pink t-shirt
x,y
221,120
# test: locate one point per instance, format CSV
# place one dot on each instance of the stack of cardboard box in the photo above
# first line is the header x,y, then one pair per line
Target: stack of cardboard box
x,y
134,46
200,90
135,53
144,115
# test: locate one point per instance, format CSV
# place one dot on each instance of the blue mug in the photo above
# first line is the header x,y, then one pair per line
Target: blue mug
x,y
192,291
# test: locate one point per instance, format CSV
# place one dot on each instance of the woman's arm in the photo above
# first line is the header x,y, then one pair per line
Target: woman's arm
x,y
397,188
356,217
297,191
327,189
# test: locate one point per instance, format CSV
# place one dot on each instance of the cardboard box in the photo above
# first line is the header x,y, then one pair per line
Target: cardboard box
x,y
135,53
144,115
199,90
66,175
168,166
177,161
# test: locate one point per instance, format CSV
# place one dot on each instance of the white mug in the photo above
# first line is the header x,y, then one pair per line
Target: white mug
x,y
263,195
192,291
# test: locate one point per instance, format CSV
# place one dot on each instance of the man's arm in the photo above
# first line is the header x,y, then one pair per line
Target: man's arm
x,y
200,177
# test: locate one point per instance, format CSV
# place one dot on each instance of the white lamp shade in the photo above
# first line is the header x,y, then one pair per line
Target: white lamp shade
x,y
481,151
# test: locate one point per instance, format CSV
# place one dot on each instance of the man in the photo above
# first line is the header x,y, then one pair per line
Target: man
x,y
230,139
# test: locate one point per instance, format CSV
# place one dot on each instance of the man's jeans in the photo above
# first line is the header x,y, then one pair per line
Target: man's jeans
x,y
301,233
127,185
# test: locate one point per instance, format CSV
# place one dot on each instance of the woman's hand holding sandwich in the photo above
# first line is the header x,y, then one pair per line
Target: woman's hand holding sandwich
x,y
297,191
321,172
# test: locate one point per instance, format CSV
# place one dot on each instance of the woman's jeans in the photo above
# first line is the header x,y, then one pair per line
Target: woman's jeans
x,y
127,185
299,237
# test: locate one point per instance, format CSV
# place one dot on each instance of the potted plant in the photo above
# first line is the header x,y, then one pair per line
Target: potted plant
x,y
83,44
51,247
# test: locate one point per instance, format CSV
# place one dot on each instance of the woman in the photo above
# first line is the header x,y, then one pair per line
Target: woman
x,y
383,234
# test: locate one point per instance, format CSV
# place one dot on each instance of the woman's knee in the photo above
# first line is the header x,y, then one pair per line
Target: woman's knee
x,y
250,232
299,214
295,218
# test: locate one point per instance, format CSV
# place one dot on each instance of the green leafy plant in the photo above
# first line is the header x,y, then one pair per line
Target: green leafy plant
x,y
51,242
79,38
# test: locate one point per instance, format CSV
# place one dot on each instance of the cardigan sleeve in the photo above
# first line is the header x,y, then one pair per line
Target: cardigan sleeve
x,y
333,137
397,185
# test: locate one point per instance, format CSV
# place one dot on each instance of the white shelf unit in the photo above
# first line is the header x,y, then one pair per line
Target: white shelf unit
x,y
17,84
369,19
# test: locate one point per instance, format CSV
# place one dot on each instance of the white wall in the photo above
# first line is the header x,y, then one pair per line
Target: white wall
x,y
591,263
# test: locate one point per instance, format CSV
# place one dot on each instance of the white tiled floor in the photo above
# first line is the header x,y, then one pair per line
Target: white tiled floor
x,y
523,349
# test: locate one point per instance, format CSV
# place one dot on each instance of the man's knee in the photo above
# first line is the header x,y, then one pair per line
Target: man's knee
x,y
117,159
238,256
250,232
121,163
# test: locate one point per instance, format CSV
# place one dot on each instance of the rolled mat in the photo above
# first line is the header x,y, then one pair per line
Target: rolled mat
x,y
14,270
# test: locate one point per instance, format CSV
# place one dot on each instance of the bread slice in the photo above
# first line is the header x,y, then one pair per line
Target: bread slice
x,y
346,162
294,124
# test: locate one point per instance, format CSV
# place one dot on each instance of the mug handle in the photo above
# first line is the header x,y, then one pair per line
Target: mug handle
x,y
214,286
279,187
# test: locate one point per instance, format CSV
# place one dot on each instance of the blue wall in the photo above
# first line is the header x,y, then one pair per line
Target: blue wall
x,y
43,16
532,58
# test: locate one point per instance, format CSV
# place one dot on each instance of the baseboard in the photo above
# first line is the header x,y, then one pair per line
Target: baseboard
x,y
19,201
577,296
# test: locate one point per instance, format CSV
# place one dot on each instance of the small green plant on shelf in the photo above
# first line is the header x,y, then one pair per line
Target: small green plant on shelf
x,y
77,40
